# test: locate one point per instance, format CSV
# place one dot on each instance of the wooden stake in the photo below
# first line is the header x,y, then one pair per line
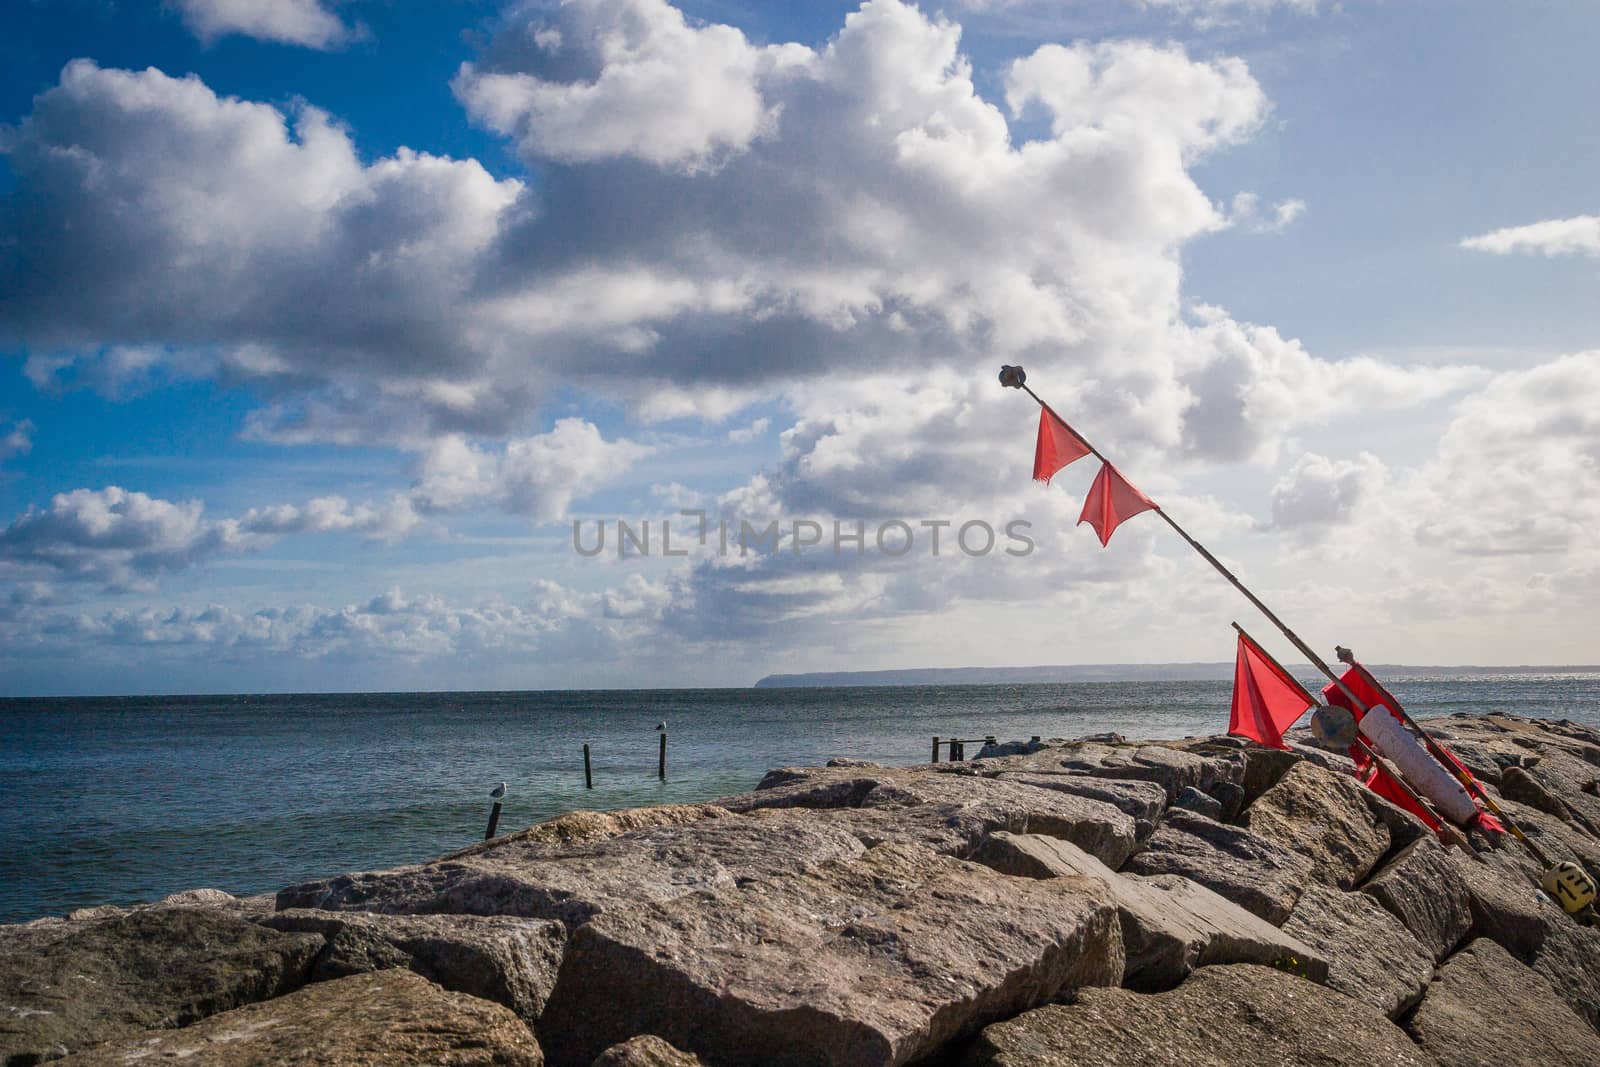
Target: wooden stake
x,y
936,748
661,767
588,777
494,813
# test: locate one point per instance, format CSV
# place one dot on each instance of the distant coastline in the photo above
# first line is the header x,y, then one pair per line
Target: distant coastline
x,y
1114,672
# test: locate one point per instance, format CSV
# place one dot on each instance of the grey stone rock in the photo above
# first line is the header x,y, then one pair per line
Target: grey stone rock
x,y
1507,905
1008,748
1262,769
1486,1010
1325,818
1237,1016
1337,762
68,986
1231,797
574,827
572,882
1172,769
1097,827
1191,799
389,1018
1521,786
1421,888
1259,875
1569,958
507,960
1371,956
1170,925
1142,800
877,960
647,1050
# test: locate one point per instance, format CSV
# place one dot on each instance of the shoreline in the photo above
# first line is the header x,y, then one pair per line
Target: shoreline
x,y
1037,897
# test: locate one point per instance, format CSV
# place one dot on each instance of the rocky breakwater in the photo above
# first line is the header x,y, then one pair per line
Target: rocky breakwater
x,y
1098,901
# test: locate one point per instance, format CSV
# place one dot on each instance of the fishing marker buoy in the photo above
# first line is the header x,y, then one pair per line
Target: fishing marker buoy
x,y
1333,728
1571,885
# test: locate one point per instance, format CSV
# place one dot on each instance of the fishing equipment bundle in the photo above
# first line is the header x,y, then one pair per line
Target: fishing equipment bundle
x,y
1394,756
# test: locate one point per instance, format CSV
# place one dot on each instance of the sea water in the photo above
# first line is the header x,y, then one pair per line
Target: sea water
x,y
117,800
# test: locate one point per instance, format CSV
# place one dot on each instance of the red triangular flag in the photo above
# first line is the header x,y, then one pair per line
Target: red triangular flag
x,y
1112,500
1266,701
1057,447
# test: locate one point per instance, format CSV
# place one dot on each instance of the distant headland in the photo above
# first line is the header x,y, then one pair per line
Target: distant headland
x,y
1112,672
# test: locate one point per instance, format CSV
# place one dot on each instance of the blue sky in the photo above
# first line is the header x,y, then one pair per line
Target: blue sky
x,y
321,323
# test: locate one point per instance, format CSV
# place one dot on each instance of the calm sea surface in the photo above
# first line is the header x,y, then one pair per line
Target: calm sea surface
x,y
115,800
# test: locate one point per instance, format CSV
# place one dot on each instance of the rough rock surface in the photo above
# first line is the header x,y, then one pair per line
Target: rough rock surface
x,y
572,882
66,986
988,803
507,960
386,1018
1325,818
1422,889
1170,925
1238,1016
1263,767
1570,959
1259,875
575,826
1191,799
1371,956
647,1050
1487,1010
1142,800
876,960
1172,769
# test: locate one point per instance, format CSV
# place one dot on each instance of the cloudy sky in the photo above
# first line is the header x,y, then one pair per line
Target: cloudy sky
x,y
322,323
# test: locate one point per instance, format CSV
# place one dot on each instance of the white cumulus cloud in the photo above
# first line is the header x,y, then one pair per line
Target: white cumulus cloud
x,y
302,22
1579,235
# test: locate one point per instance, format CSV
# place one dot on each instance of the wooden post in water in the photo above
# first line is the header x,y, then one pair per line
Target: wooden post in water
x,y
661,766
588,776
936,748
494,812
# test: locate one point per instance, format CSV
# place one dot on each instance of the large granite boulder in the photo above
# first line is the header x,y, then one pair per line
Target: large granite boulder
x,y
575,826
66,986
1507,905
1486,1010
1422,888
1263,768
871,961
572,882
1324,817
1371,956
1569,958
383,1019
646,1050
1170,925
1238,1016
1142,800
507,960
1259,875
1172,769
989,803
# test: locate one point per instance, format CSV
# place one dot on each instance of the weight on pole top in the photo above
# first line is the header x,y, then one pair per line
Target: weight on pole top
x,y
1012,377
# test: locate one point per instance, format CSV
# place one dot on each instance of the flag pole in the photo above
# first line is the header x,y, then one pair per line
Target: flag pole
x,y
1014,377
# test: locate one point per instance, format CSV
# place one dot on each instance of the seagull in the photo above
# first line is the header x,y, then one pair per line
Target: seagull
x,y
661,727
499,791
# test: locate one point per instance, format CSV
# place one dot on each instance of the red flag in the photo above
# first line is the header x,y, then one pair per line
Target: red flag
x,y
1266,701
1111,501
1057,447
